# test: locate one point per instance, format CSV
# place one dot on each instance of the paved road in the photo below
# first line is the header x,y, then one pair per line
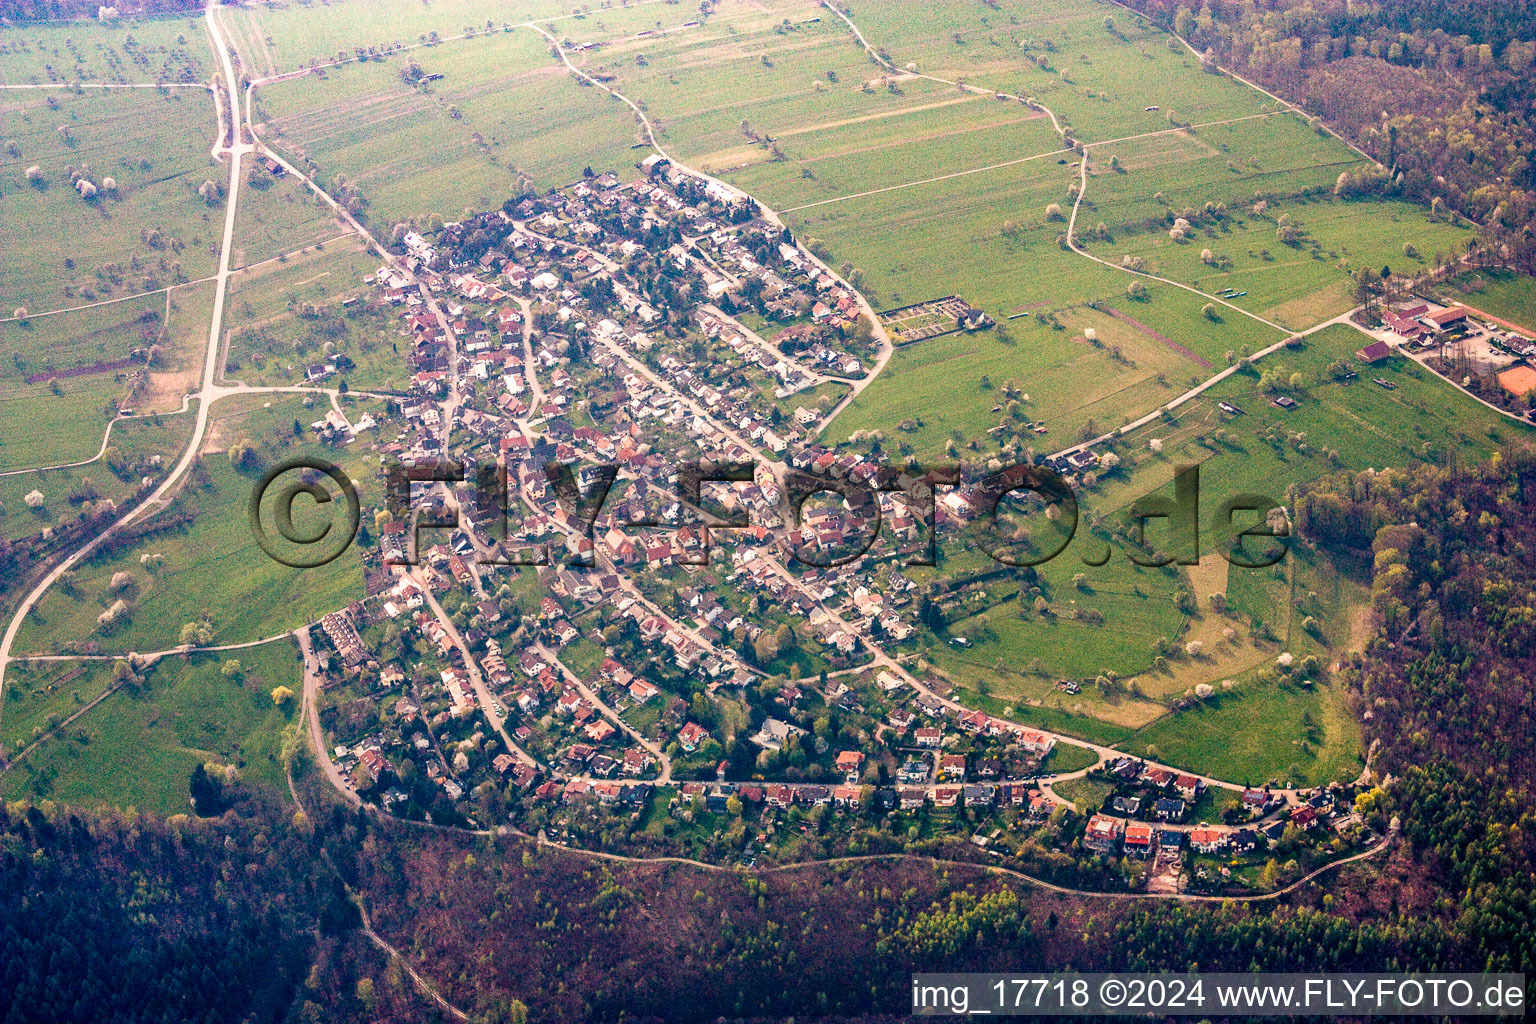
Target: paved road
x,y
234,153
311,712
882,337
665,778
211,390
995,869
476,679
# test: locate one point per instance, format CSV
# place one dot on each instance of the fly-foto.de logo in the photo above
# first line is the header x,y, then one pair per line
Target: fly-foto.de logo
x,y
1019,515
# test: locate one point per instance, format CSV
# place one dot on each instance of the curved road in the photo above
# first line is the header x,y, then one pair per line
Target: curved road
x,y
994,869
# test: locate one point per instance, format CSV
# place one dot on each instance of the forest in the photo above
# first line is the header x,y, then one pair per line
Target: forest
x,y
1443,687
251,915
1442,94
241,910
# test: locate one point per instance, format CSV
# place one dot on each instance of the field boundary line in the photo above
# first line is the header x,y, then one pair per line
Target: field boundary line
x,y
923,181
71,86
459,38
186,403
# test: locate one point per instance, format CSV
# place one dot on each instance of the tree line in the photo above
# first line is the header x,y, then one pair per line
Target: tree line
x,y
1441,93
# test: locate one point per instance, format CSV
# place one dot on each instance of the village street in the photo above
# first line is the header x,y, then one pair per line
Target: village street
x,y
243,140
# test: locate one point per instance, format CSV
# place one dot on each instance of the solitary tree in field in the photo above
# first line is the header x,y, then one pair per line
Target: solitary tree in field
x,y
242,454
1209,310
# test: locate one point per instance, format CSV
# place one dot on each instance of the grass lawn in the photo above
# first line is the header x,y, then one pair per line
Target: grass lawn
x,y
1063,758
1087,794
213,567
582,657
65,251
139,746
168,49
1136,605
132,440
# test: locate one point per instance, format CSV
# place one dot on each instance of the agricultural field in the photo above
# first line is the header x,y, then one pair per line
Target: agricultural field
x,y
287,314
1098,77
503,112
1118,620
178,370
1302,284
211,568
111,478
1354,424
62,377
137,224
274,40
129,50
42,694
794,115
139,745
1275,156
1146,351
279,216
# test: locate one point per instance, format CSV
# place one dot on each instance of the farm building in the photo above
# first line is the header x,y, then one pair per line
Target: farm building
x,y
1375,352
1444,319
1402,325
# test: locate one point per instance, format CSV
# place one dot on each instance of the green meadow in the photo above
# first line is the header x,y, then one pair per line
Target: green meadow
x,y
150,230
275,39
56,417
1099,79
1303,284
211,568
272,339
1502,293
138,747
278,217
1355,424
502,109
63,490
127,50
1274,156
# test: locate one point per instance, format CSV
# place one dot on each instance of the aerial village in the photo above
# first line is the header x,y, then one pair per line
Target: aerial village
x,y
682,671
